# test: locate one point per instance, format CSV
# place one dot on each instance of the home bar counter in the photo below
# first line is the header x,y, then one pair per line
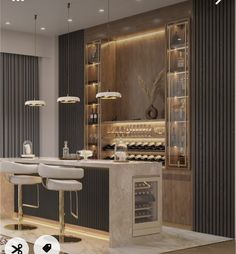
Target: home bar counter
x,y
107,201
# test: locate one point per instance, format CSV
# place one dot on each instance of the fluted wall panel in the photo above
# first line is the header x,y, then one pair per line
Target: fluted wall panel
x,y
19,82
212,111
71,116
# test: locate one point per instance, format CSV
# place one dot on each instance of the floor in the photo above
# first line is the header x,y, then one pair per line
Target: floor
x,y
170,240
228,247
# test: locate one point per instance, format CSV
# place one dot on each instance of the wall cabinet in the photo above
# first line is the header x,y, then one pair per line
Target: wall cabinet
x,y
177,109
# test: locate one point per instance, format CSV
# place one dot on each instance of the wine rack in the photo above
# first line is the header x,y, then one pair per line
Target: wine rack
x,y
145,140
92,106
177,110
147,205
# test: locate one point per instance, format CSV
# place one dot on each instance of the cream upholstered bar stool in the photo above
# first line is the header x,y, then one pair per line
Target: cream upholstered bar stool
x,y
21,175
61,179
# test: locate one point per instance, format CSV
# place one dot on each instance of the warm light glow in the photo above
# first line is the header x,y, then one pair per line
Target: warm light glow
x,y
69,230
69,20
43,28
7,22
140,36
101,10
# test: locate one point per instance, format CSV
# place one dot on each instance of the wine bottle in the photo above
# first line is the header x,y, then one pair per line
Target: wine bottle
x,y
91,119
95,117
176,40
180,62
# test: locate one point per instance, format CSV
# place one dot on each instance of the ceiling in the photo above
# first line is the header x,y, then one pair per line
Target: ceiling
x,y
52,14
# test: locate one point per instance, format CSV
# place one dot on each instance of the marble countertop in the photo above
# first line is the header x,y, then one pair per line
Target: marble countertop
x,y
79,163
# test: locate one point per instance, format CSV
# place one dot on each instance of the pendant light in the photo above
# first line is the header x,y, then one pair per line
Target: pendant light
x,y
35,103
68,99
108,95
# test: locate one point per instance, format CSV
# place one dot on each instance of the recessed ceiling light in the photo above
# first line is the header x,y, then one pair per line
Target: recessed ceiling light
x,y
7,22
43,28
18,0
69,20
101,10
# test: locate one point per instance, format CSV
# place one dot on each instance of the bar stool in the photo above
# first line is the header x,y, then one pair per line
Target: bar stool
x,y
61,179
20,175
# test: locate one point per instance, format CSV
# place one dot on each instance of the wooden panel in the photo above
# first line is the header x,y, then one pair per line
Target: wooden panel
x,y
142,58
177,198
71,116
212,101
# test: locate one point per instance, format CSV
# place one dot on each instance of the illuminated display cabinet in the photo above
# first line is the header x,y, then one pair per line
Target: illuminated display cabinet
x,y
92,105
177,110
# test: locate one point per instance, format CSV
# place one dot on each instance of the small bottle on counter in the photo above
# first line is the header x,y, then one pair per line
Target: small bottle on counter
x,y
65,150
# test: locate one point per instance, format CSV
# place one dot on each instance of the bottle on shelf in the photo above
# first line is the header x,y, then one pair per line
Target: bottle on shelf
x,y
65,150
95,117
176,40
180,62
91,119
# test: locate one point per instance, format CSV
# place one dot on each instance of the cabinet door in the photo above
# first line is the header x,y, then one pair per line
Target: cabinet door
x,y
147,206
178,94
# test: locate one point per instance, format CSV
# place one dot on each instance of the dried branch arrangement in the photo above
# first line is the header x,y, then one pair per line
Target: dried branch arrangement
x,y
152,92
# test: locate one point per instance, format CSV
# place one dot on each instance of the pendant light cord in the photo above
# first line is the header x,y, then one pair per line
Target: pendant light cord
x,y
68,50
35,41
108,21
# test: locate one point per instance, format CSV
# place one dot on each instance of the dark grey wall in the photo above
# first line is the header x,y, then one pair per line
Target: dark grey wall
x,y
18,83
213,105
71,116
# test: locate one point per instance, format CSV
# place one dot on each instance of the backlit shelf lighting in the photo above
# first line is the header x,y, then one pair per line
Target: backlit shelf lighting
x,y
140,36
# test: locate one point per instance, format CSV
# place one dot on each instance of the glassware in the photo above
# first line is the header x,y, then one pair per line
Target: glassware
x,y
120,151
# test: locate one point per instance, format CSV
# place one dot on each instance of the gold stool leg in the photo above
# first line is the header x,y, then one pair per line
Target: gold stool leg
x,y
20,226
62,238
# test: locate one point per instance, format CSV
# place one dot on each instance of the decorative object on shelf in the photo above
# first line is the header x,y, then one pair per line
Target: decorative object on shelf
x,y
151,111
86,154
120,151
68,99
108,95
35,103
27,149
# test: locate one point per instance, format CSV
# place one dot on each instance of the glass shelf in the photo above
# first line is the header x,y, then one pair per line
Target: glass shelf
x,y
178,95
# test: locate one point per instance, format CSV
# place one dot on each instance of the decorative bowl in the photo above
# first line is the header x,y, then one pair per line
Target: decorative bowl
x,y
86,154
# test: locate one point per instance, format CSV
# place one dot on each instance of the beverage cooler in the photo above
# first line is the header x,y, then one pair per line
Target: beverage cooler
x,y
147,205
